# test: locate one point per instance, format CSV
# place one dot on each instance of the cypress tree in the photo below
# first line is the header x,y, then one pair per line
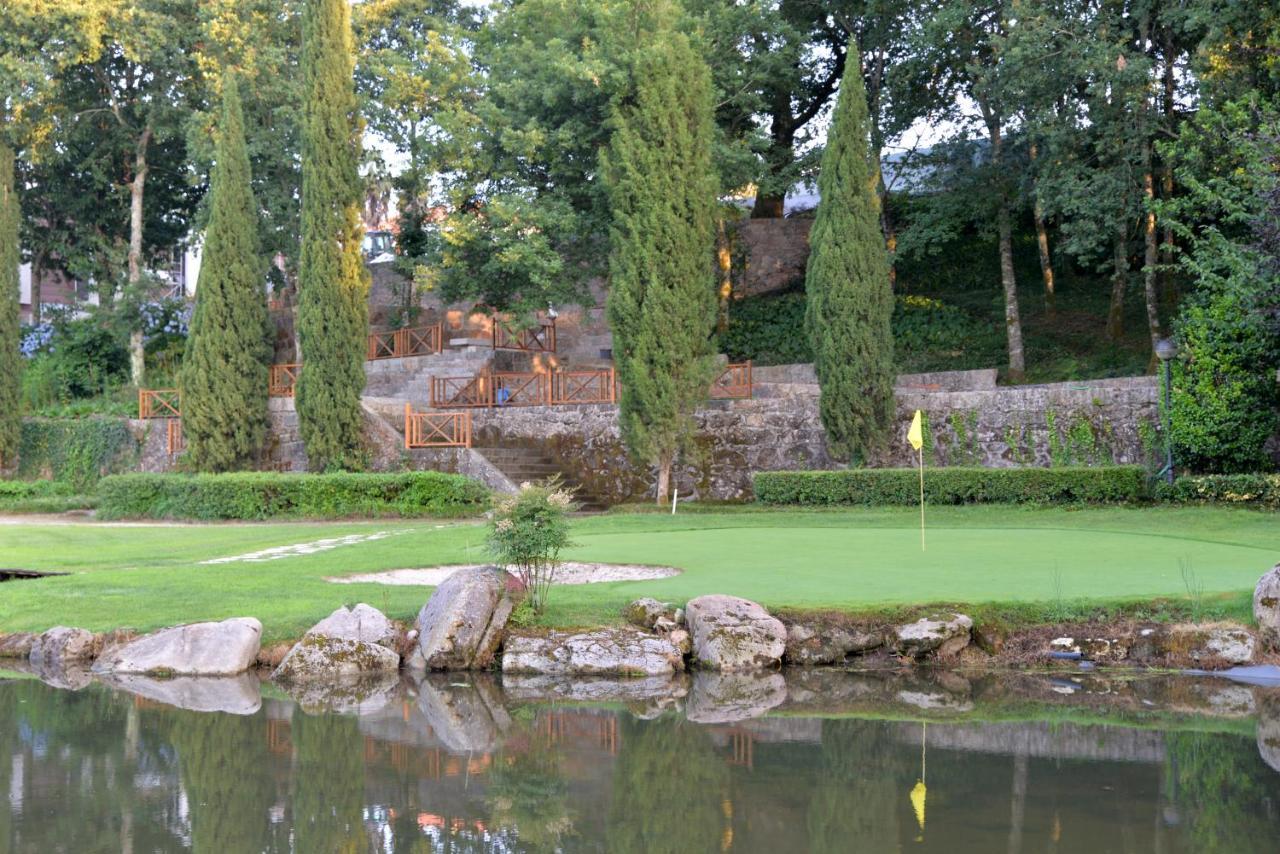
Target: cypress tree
x,y
333,310
662,299
224,368
849,299
10,356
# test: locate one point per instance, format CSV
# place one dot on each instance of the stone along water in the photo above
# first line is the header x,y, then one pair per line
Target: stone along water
x,y
873,763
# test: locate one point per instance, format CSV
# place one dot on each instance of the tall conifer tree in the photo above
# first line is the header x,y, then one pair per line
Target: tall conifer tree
x,y
847,288
10,357
662,298
333,310
224,369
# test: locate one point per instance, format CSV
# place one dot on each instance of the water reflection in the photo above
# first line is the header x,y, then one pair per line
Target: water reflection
x,y
840,762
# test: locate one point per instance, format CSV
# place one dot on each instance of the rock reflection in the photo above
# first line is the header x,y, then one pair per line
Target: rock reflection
x,y
236,695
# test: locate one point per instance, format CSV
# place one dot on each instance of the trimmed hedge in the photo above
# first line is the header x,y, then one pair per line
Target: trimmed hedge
x,y
872,487
270,495
1250,490
41,496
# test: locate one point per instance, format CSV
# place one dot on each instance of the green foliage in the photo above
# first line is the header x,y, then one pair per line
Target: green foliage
x,y
661,305
333,310
328,782
528,532
1226,403
224,370
222,759
847,287
964,426
77,452
1251,490
84,357
1218,780
268,495
10,357
874,487
41,496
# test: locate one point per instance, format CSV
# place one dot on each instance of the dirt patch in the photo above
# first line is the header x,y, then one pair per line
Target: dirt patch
x,y
570,572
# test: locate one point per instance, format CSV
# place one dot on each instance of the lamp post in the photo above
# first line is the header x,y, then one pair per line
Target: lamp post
x,y
1166,351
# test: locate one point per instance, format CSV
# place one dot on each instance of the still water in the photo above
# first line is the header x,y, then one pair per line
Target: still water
x,y
802,762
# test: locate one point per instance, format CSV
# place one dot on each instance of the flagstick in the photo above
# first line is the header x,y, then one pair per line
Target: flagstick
x,y
921,452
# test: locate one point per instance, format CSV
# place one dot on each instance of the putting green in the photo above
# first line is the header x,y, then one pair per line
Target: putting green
x,y
808,566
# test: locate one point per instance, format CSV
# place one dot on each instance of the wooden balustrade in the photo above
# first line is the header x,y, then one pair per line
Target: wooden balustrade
x,y
733,383
159,403
176,441
460,391
589,386
534,339
399,343
436,429
282,380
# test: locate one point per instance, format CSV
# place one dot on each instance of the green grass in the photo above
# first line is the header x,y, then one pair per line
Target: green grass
x,y
1020,564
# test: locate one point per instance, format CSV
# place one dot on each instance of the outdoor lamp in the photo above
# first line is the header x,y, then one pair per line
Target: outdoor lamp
x,y
1166,351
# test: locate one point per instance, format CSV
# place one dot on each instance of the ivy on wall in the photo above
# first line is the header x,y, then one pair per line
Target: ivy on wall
x,y
76,451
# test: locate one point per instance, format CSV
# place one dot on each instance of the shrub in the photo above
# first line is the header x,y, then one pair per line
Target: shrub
x,y
527,533
40,496
268,495
76,451
872,487
1254,490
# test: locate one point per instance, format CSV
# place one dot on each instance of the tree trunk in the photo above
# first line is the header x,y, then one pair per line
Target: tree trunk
x,y
137,355
724,264
768,206
1151,257
1119,282
663,492
1042,243
1012,320
37,272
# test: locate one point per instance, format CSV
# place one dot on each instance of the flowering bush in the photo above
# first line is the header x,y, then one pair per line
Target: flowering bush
x,y
527,533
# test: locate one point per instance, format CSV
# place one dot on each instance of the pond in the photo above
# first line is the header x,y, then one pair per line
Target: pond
x,y
801,761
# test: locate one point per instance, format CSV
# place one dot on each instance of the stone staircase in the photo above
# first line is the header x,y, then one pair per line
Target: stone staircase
x,y
409,378
522,463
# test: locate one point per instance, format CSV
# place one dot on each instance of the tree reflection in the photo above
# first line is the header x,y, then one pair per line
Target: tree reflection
x,y
225,773
1225,794
328,783
669,790
860,789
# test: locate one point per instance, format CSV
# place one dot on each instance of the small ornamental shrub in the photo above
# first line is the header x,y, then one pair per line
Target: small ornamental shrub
x,y
875,487
1248,490
527,533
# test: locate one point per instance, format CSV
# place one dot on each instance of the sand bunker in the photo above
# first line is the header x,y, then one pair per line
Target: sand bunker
x,y
570,572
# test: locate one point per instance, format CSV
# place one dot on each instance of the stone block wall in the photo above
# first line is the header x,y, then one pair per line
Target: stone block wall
x,y
777,251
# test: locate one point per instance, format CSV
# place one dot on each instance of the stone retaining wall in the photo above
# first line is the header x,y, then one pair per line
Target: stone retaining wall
x,y
1096,422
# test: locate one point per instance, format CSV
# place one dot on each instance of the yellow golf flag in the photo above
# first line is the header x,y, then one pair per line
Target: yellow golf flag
x,y
916,434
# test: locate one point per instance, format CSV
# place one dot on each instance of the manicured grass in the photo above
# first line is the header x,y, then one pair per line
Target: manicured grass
x,y
1041,563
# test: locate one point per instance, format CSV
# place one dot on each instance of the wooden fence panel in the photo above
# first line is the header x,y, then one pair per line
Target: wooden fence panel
x,y
733,383
159,403
436,429
283,380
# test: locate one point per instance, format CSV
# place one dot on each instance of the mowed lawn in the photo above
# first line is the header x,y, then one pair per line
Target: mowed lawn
x,y
148,576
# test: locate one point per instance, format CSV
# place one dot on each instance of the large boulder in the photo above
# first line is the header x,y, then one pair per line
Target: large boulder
x,y
600,652
942,634
1266,608
361,623
318,658
1215,644
200,649
814,643
62,646
461,625
731,634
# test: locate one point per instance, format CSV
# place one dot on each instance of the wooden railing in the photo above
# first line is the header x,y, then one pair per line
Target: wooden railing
x,y
398,343
176,442
282,380
436,429
159,403
460,391
535,339
733,383
593,386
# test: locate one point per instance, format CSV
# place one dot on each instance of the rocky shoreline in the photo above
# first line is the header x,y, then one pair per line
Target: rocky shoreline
x,y
464,626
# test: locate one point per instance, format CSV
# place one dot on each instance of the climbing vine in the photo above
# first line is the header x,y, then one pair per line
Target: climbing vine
x,y
77,452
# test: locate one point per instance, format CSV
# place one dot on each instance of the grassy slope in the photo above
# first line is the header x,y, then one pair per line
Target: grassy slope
x,y
149,576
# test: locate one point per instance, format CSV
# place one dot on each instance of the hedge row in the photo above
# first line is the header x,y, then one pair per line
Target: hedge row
x,y
872,487
269,495
1252,490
